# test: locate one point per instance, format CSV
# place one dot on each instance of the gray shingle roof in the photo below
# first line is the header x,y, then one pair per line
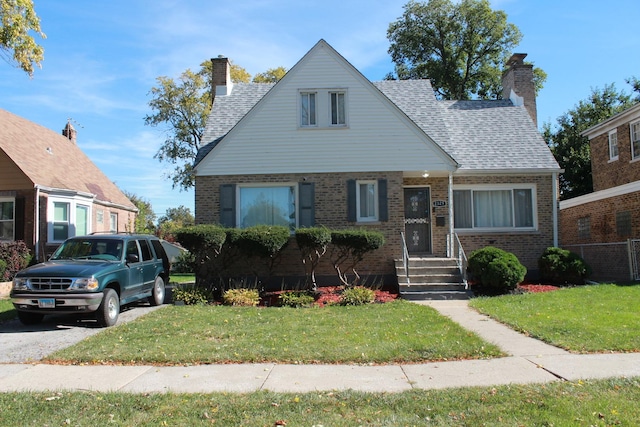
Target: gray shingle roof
x,y
479,135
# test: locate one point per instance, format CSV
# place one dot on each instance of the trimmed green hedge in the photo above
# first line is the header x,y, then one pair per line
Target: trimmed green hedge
x,y
560,266
496,270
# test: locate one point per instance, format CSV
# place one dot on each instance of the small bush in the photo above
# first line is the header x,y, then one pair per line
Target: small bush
x,y
185,263
296,299
496,270
313,243
3,268
349,248
16,256
357,295
192,294
561,266
241,297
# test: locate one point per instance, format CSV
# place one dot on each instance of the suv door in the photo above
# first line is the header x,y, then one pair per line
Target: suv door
x,y
149,265
136,278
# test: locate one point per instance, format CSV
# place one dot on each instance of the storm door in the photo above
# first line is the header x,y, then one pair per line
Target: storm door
x,y
417,220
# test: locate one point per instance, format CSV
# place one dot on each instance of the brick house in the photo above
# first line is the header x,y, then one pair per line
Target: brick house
x,y
326,146
50,190
602,225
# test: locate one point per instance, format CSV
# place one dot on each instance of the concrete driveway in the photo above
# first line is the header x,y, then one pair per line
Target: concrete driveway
x,y
23,344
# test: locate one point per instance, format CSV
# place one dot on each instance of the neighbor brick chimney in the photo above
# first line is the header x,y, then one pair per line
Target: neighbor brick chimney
x,y
517,80
221,77
70,132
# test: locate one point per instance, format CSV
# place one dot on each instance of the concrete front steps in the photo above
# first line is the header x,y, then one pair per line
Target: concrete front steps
x,y
431,279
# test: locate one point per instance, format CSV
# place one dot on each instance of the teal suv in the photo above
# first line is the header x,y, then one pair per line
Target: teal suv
x,y
93,274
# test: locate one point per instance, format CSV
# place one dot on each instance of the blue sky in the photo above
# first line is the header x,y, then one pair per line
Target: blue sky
x,y
102,58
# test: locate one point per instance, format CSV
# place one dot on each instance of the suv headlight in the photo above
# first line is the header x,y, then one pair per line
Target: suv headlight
x,y
85,283
20,284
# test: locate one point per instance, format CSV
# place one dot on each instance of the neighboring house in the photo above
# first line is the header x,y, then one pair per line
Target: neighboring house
x,y
50,190
601,226
325,146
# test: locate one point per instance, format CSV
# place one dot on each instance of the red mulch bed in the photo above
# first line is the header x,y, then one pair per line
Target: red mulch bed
x,y
537,287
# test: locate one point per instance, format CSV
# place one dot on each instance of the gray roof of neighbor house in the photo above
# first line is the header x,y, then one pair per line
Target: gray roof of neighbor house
x,y
480,135
51,160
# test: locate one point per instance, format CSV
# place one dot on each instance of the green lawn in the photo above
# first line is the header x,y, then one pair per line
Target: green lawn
x,y
7,312
182,278
587,319
589,403
399,331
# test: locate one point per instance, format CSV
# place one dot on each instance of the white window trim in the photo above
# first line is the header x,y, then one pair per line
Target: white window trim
x,y
113,215
490,187
266,185
12,200
323,108
359,217
634,155
73,203
613,135
346,109
301,93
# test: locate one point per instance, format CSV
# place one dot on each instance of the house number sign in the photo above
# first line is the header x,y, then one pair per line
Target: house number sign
x,y
439,203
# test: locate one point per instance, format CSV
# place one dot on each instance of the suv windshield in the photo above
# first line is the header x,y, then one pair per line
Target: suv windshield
x,y
105,249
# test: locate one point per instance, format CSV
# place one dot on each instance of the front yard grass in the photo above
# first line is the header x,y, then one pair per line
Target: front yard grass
x,y
585,403
395,332
7,312
586,319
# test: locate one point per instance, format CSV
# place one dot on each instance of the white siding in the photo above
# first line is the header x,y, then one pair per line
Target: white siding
x,y
378,137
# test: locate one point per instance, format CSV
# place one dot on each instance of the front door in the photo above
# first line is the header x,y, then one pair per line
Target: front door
x,y
417,220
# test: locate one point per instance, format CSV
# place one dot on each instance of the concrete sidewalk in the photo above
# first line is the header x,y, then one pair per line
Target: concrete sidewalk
x,y
530,361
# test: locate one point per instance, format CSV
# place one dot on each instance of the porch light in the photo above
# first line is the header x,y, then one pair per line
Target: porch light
x,y
425,174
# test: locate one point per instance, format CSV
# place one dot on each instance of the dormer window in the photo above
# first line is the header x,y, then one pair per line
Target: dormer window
x,y
322,108
308,109
613,145
338,114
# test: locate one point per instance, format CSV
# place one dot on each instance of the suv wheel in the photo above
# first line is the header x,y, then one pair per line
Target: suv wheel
x,y
107,314
157,294
27,318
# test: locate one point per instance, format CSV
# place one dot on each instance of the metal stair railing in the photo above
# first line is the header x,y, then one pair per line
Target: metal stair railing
x,y
405,257
460,256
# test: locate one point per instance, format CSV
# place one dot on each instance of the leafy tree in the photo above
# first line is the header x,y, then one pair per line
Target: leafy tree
x,y
461,46
146,218
17,19
182,107
570,149
272,75
174,219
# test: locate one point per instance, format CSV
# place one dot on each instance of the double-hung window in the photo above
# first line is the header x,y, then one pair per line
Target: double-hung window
x,y
635,140
267,205
338,113
61,220
495,208
7,219
308,113
613,145
367,201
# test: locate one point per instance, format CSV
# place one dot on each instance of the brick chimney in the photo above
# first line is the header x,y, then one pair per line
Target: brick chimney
x,y
221,77
70,132
518,86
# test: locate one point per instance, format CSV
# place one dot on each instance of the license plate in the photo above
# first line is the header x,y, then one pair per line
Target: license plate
x,y
47,303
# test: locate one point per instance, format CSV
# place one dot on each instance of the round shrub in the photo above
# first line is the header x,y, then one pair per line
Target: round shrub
x,y
496,270
296,299
560,266
357,295
241,297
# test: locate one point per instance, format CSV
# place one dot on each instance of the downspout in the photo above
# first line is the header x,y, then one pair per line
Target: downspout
x,y
37,223
554,186
451,238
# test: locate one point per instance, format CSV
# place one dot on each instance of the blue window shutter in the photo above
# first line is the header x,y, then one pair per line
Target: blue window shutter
x,y
228,205
306,201
351,201
383,205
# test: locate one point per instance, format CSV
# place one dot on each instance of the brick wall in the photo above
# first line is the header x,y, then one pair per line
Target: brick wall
x,y
606,173
331,211
526,245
